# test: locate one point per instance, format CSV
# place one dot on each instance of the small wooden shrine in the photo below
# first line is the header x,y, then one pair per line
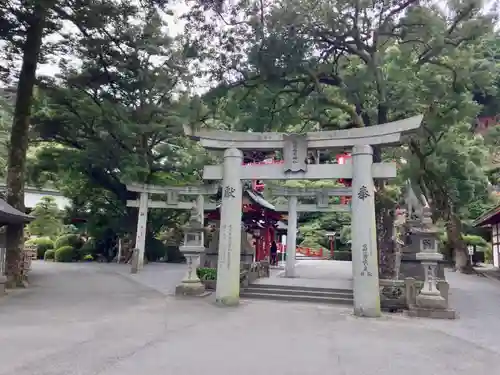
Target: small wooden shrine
x,y
8,216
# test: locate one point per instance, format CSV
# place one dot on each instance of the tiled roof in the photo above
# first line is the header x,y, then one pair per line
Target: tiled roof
x,y
489,217
9,215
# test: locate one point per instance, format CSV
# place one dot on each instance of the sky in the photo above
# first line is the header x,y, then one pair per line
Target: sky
x,y
175,25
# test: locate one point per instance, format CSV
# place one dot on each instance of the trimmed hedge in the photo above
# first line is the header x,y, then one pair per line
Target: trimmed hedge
x,y
42,245
206,273
342,255
88,248
49,255
72,240
65,254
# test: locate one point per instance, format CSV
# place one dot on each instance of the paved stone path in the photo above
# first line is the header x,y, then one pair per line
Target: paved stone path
x,y
91,319
316,273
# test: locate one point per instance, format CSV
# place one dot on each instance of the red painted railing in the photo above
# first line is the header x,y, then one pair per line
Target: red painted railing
x,y
308,252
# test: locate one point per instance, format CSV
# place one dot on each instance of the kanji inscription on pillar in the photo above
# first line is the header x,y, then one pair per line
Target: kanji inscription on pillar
x,y
228,192
229,241
295,152
222,238
364,252
363,193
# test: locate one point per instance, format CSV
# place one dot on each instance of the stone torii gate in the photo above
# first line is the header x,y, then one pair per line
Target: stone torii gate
x,y
322,205
172,193
295,147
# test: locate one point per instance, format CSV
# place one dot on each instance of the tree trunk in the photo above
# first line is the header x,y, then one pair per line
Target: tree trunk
x,y
457,244
384,222
385,241
19,141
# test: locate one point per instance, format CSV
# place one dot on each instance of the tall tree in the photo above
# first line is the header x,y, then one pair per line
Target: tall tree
x,y
48,218
118,118
24,25
374,62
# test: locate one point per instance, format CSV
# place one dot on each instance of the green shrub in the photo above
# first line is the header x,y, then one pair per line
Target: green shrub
x,y
65,254
73,240
488,254
155,249
207,273
42,245
342,255
88,258
49,255
88,248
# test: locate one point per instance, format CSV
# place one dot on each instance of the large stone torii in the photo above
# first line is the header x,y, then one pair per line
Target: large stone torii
x,y
362,171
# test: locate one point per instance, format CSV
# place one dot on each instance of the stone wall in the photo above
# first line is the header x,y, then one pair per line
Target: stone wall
x,y
210,257
248,274
401,294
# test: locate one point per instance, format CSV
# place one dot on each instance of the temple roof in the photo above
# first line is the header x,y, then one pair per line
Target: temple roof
x,y
257,199
489,217
10,215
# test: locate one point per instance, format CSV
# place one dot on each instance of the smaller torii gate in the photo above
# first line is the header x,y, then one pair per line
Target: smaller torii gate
x,y
322,205
172,193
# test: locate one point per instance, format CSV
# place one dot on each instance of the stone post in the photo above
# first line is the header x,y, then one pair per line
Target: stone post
x,y
140,240
3,278
291,237
134,264
228,267
364,240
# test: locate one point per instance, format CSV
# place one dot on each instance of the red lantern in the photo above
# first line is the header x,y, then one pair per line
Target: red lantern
x,y
343,159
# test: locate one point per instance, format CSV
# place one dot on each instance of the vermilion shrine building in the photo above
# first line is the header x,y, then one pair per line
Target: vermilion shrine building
x,y
260,218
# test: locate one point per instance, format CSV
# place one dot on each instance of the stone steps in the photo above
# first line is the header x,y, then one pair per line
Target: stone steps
x,y
298,294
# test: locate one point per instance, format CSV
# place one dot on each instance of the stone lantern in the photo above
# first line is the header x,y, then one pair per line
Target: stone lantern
x,y
429,302
192,248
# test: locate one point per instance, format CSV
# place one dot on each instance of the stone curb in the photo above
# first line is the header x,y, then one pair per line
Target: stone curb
x,y
485,274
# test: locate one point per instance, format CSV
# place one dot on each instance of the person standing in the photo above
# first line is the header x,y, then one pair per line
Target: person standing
x,y
274,254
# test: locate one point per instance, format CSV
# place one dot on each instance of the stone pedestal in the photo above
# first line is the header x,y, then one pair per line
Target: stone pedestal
x,y
423,312
191,284
392,294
